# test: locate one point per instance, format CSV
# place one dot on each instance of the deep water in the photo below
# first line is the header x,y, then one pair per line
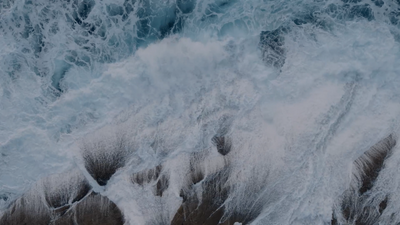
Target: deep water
x,y
251,111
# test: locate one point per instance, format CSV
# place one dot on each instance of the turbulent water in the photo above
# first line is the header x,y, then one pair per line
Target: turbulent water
x,y
259,111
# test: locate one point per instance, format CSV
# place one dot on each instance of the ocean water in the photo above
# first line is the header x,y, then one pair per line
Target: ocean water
x,y
299,89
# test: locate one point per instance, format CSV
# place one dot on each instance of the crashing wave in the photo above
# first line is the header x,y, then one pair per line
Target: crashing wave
x,y
199,112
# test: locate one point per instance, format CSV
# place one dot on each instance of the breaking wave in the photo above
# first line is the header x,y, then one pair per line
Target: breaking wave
x,y
199,112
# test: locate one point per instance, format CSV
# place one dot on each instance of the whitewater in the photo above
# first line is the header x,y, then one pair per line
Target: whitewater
x,y
199,112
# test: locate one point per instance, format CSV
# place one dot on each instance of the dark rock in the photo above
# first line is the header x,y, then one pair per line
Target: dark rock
x,y
334,220
81,191
223,144
354,207
162,185
146,176
371,162
93,210
160,181
98,210
27,210
196,173
102,162
210,209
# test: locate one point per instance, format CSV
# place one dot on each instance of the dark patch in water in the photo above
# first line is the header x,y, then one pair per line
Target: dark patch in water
x,y
361,11
394,17
378,3
85,7
307,18
186,6
351,1
272,46
114,10
61,68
